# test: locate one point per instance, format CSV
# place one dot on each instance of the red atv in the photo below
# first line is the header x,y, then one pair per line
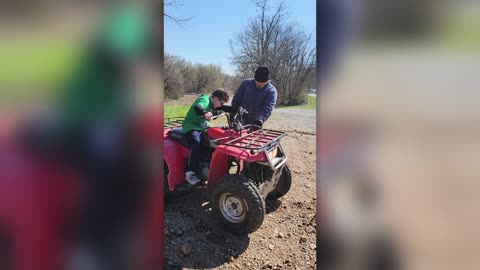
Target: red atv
x,y
241,168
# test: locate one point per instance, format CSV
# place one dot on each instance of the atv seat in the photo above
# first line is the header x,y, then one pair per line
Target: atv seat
x,y
177,135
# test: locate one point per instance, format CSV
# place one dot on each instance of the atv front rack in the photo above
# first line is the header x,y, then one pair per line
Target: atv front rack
x,y
263,140
256,141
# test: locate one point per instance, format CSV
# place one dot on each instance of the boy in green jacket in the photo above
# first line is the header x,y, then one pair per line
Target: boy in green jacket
x,y
197,120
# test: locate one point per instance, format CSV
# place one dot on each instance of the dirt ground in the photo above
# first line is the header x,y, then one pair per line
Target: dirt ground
x,y
286,240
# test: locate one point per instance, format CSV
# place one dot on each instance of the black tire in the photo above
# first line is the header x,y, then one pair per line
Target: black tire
x,y
283,185
241,194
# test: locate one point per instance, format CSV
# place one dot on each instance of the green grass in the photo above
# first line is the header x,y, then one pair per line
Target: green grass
x,y
311,104
175,110
462,29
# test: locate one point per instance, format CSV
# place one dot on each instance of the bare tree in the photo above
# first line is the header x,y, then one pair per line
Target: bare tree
x,y
206,78
283,47
175,81
181,76
174,4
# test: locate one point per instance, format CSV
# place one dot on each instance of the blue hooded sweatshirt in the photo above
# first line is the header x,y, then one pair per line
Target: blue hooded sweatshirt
x,y
258,102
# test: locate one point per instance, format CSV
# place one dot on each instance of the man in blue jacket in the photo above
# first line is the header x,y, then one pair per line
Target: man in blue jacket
x,y
256,95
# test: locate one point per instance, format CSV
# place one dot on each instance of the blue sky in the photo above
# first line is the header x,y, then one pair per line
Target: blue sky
x,y
205,38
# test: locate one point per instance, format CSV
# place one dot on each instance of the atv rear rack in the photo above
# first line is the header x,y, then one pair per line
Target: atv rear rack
x,y
173,122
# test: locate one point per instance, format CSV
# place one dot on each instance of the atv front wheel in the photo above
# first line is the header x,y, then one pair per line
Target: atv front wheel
x,y
237,204
283,185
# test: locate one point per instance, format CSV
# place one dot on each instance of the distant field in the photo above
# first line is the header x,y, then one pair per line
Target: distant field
x,y
179,107
175,110
311,104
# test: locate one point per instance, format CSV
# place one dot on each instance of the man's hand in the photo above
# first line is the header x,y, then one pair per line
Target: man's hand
x,y
256,125
208,115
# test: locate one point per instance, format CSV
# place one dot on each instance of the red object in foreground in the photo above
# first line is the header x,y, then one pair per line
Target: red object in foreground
x,y
39,197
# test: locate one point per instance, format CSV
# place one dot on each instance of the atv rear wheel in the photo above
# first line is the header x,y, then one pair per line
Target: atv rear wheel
x,y
283,185
237,204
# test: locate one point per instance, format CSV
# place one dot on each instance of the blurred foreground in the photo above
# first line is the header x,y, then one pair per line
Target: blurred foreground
x,y
80,147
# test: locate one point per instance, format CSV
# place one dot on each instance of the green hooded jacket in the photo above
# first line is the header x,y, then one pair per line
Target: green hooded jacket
x,y
193,121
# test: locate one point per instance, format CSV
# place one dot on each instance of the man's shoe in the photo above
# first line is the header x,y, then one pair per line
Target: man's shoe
x,y
192,178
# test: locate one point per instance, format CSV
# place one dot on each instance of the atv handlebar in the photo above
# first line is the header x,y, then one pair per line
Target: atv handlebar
x,y
219,115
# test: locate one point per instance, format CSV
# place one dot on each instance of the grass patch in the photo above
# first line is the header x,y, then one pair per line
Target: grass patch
x,y
461,31
311,104
175,110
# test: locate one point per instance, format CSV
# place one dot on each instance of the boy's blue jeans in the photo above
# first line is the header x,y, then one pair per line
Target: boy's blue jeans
x,y
194,139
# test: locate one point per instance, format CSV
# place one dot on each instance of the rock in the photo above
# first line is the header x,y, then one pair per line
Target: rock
x,y
271,246
303,239
231,259
289,234
281,235
275,232
186,249
178,232
313,246
267,265
287,261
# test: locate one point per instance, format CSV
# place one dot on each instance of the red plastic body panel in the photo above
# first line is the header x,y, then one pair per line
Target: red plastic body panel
x,y
175,156
37,200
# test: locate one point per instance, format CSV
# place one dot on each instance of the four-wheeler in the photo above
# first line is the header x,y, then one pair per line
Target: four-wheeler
x,y
242,167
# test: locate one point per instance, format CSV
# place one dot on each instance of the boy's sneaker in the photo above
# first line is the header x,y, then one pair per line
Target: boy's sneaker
x,y
192,178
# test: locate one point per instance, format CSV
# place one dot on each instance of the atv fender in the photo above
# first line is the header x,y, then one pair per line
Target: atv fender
x,y
219,163
175,156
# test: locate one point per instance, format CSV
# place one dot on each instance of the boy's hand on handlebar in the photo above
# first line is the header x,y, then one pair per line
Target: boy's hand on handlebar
x,y
208,115
217,112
